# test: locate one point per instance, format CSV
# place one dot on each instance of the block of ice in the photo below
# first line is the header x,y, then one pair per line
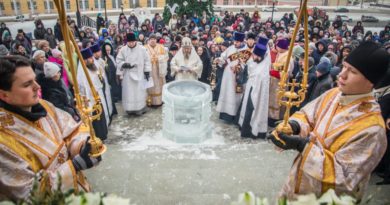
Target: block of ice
x,y
186,111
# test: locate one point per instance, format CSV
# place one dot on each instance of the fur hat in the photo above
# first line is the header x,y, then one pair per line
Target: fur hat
x,y
50,69
371,60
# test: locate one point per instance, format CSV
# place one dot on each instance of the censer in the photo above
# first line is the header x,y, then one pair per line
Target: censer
x,y
286,94
87,113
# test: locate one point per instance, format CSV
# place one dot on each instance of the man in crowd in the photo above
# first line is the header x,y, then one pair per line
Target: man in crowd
x,y
340,135
37,139
133,68
109,106
186,64
158,57
100,125
229,100
253,114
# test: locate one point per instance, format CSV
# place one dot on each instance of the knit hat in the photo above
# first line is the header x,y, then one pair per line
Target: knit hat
x,y
238,36
263,41
38,53
260,50
86,53
50,69
371,60
56,53
3,50
95,48
323,67
130,37
282,43
297,51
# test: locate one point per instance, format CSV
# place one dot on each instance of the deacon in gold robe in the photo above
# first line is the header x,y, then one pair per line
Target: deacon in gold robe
x,y
159,58
37,140
340,135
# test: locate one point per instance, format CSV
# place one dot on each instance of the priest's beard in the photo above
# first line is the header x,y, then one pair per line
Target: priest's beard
x,y
186,56
257,60
91,66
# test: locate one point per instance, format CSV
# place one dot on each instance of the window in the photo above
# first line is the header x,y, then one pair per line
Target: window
x,y
97,4
114,6
17,6
152,3
1,6
86,4
68,4
51,5
135,3
225,2
34,4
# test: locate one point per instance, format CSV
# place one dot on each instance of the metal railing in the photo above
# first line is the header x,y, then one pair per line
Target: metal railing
x,y
87,21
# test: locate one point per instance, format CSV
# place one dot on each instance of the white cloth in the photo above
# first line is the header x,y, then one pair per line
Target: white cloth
x,y
258,81
101,64
229,100
85,90
194,65
133,92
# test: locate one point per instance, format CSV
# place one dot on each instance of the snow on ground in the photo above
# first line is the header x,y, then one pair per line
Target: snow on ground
x,y
142,165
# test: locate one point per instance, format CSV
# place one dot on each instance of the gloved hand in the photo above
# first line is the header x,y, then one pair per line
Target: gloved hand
x,y
127,66
275,74
83,161
294,125
288,142
147,75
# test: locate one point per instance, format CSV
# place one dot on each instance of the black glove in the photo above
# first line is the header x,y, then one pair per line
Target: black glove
x,y
147,75
127,66
290,142
83,161
295,127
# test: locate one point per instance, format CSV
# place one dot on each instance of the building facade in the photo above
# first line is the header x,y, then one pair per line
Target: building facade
x,y
17,7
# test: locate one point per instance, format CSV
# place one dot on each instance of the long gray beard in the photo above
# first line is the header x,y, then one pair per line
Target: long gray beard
x,y
187,56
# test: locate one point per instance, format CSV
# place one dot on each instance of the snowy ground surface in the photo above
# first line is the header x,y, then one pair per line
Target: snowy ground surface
x,y
142,165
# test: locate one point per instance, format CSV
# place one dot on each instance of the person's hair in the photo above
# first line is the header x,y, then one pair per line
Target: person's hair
x,y
42,44
8,66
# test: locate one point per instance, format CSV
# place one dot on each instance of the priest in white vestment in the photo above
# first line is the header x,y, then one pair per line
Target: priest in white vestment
x,y
253,114
186,65
134,69
229,100
101,65
96,75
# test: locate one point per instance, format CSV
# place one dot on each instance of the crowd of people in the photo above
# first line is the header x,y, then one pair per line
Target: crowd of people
x,y
240,55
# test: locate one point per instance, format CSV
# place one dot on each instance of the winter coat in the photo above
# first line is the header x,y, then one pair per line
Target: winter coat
x,y
39,33
58,32
56,93
322,84
51,39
